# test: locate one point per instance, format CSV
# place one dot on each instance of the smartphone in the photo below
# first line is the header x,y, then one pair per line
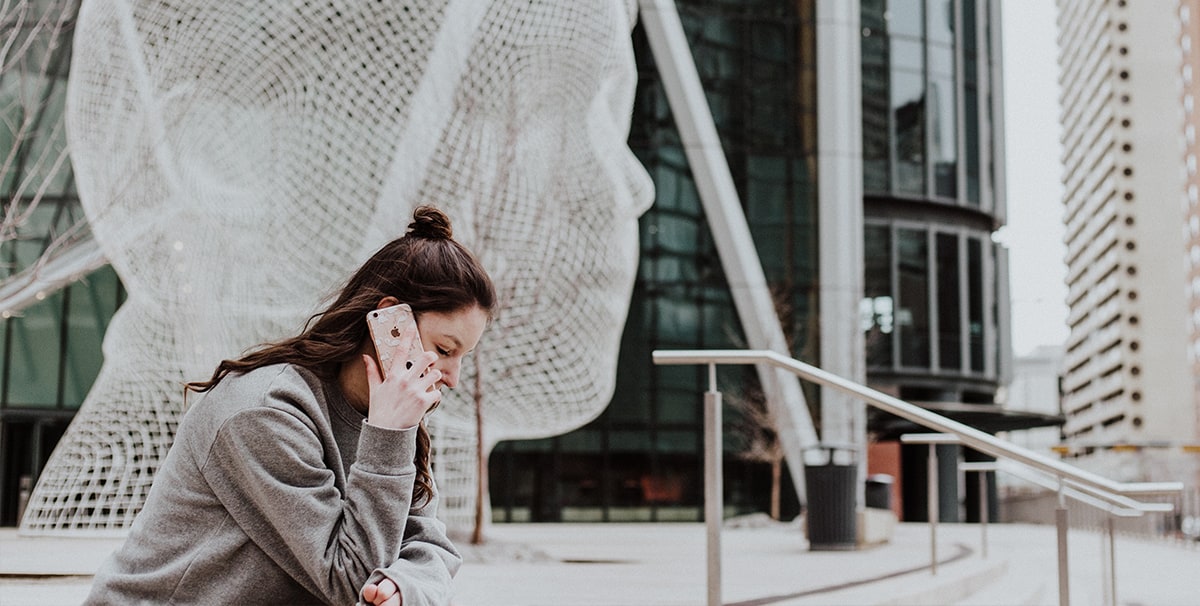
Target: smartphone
x,y
394,332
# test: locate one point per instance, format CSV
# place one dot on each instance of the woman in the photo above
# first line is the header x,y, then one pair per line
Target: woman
x,y
302,475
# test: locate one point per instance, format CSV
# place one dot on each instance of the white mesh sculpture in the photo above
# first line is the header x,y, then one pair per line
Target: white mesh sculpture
x,y
238,159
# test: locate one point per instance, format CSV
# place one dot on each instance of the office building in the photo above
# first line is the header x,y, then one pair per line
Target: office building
x,y
1128,378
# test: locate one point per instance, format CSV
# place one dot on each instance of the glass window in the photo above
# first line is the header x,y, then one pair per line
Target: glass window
x,y
678,320
949,312
907,54
912,314
943,117
588,440
908,116
877,313
971,122
91,303
679,406
876,168
679,442
33,356
906,18
975,302
941,21
676,233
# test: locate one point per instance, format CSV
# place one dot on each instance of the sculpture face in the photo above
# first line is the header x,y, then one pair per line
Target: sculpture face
x,y
237,161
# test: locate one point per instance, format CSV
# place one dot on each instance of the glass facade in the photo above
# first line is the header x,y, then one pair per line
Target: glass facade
x,y
50,350
930,280
923,309
921,99
641,459
928,314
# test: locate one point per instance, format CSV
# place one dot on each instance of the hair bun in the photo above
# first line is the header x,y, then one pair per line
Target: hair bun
x,y
430,222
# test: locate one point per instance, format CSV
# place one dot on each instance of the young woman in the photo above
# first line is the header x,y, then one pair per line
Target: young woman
x,y
301,475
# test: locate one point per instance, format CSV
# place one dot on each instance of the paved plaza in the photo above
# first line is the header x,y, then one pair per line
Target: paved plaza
x,y
764,564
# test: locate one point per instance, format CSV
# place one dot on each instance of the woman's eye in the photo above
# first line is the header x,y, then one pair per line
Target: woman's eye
x,y
442,352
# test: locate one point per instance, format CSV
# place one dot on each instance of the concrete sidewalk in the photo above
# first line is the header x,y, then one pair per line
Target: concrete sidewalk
x,y
763,564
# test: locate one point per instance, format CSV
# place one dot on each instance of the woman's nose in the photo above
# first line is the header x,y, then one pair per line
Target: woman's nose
x,y
450,373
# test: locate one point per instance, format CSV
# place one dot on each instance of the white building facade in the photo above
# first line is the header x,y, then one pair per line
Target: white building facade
x,y
1127,377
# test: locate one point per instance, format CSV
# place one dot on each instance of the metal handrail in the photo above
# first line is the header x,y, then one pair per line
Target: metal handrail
x,y
1096,497
959,433
1113,504
970,436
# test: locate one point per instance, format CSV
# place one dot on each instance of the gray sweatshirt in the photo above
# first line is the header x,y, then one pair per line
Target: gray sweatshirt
x,y
276,491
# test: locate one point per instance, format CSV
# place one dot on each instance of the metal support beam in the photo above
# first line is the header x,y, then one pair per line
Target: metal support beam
x,y
43,279
731,233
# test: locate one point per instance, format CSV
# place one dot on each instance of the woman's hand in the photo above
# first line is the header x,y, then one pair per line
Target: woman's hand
x,y
401,400
383,594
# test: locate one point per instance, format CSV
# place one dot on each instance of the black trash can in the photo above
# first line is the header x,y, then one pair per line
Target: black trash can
x,y
831,519
878,494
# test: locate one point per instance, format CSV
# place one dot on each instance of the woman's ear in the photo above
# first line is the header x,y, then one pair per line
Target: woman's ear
x,y
387,302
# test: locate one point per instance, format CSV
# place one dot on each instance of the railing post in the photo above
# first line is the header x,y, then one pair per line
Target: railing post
x,y
983,510
1112,561
1116,493
932,506
1060,521
713,498
981,468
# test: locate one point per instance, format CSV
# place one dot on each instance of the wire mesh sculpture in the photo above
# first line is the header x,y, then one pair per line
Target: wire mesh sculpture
x,y
236,160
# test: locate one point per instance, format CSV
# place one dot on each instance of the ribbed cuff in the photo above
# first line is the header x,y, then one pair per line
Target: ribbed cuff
x,y
386,451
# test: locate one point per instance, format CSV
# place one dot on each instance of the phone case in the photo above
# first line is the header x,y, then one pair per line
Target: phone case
x,y
394,332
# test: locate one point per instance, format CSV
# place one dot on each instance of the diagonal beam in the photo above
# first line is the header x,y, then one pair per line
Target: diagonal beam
x,y
44,278
735,246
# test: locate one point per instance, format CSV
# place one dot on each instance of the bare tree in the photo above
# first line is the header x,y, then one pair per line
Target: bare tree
x,y
35,41
481,458
754,428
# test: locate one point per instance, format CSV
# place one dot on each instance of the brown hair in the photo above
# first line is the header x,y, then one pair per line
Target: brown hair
x,y
425,268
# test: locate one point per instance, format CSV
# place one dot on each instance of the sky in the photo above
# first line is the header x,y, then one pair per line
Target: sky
x,y
1034,231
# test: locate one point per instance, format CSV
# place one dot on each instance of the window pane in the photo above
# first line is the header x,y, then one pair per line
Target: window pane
x,y
92,302
971,120
912,317
906,17
949,310
943,115
975,302
941,21
877,309
908,116
876,169
907,54
34,357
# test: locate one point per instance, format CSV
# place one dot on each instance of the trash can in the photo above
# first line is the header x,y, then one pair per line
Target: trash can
x,y
878,493
831,521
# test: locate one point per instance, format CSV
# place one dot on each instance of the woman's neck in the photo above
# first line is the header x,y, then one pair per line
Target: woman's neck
x,y
352,379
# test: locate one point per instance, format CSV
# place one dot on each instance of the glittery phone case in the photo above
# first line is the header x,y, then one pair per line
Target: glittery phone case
x,y
394,332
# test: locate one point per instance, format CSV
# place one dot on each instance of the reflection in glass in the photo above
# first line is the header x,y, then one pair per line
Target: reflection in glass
x,y
949,312
877,313
908,116
975,302
33,355
912,315
944,125
906,18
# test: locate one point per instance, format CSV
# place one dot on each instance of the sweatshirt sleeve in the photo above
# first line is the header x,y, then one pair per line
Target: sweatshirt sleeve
x,y
428,560
266,466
